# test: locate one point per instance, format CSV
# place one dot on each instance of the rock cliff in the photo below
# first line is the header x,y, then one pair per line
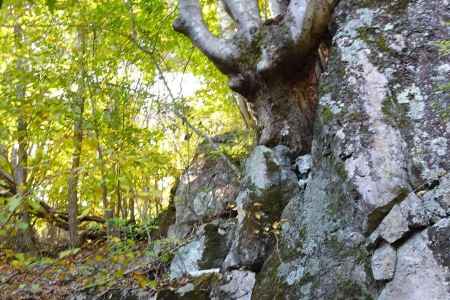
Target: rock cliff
x,y
365,215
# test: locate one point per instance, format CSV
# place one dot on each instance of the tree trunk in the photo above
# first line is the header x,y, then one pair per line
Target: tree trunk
x,y
131,207
25,234
119,207
286,106
272,64
107,212
78,110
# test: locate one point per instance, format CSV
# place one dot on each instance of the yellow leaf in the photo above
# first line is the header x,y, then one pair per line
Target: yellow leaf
x,y
141,279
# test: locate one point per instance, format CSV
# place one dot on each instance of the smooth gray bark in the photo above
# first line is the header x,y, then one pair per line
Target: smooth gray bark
x,y
278,7
263,60
245,13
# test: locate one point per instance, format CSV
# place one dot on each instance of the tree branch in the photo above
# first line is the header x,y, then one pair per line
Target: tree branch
x,y
61,219
245,13
9,181
307,20
227,25
278,7
190,23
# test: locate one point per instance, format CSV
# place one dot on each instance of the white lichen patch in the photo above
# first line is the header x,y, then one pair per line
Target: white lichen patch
x,y
327,101
410,94
388,27
348,39
439,146
414,97
398,43
376,171
291,272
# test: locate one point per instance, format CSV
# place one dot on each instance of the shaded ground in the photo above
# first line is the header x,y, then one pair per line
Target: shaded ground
x,y
95,269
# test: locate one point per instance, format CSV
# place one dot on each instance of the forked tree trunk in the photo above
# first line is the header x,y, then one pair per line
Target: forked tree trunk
x,y
272,64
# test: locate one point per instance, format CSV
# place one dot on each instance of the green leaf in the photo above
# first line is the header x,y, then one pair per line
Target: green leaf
x,y
51,4
14,202
35,288
23,226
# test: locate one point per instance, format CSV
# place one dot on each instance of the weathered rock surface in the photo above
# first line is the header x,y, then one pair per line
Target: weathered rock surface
x,y
383,262
380,162
235,285
419,272
370,219
207,250
204,191
269,184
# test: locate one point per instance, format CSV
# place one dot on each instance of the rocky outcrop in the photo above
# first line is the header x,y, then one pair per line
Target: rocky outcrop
x,y
204,193
205,216
268,185
235,236
380,165
366,214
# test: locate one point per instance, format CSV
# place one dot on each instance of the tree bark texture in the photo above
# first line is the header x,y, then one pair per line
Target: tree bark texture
x,y
270,63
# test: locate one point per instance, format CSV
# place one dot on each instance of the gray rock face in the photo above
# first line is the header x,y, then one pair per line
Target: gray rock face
x,y
204,197
380,164
204,192
383,262
207,250
269,184
411,214
236,285
394,226
370,219
418,274
187,258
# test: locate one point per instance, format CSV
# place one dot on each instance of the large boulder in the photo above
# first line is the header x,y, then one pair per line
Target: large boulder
x,y
220,241
205,219
204,192
370,220
421,271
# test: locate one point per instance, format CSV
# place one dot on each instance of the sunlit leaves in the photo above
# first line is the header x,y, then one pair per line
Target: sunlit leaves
x,y
14,203
133,144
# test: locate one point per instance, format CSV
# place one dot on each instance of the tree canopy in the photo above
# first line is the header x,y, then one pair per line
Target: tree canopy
x,y
142,95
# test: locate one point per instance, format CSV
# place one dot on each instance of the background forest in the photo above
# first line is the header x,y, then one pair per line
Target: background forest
x,y
102,106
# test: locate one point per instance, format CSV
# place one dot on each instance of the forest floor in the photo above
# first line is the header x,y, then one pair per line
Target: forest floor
x,y
96,268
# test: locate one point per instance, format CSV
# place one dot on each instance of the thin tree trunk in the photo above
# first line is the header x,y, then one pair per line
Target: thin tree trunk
x,y
76,155
25,235
146,202
107,209
131,206
108,206
118,194
125,208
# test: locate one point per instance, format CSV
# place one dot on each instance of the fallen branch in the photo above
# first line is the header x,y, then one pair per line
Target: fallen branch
x,y
61,219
